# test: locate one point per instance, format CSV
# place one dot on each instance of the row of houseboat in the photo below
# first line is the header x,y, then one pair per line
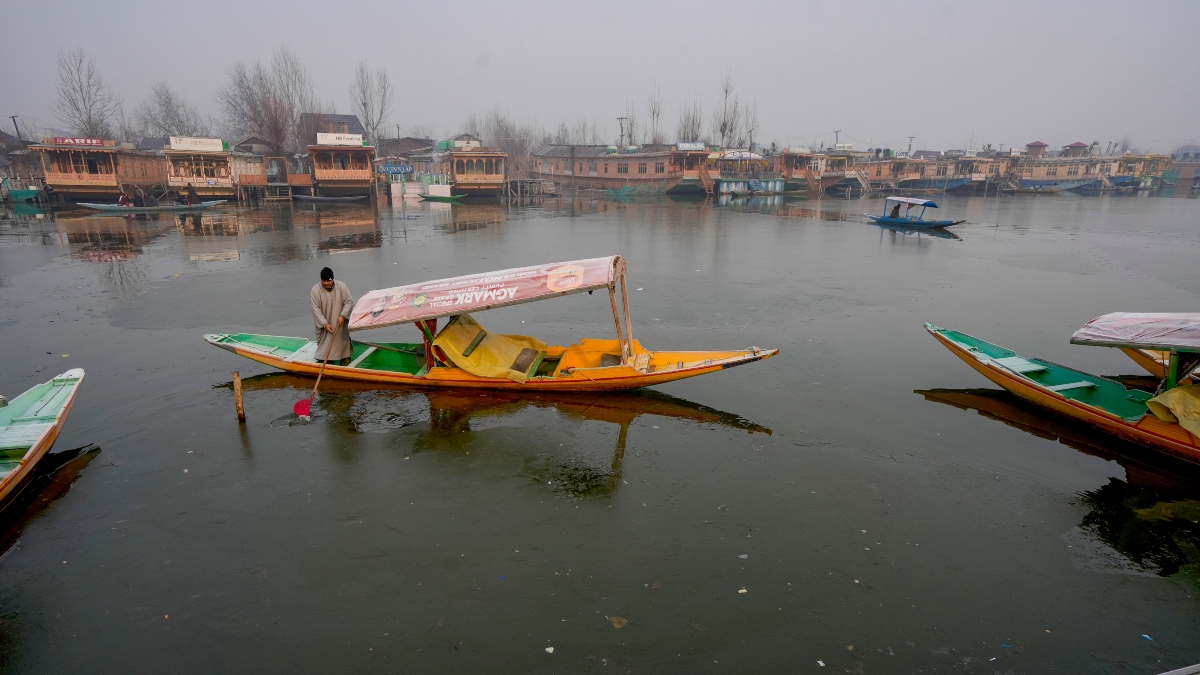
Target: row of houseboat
x,y
696,168
339,163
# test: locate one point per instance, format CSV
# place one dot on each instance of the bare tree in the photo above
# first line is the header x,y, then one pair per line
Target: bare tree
x,y
654,112
498,130
423,131
166,113
371,98
267,101
727,119
128,127
85,102
691,122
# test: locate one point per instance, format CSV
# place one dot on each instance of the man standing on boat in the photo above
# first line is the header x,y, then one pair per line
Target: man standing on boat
x,y
331,304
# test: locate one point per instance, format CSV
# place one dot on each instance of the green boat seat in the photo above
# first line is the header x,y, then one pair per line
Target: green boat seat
x,y
1018,364
1070,385
21,436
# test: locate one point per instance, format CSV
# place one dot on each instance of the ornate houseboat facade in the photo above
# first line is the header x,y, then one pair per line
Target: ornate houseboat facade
x,y
92,168
341,165
204,164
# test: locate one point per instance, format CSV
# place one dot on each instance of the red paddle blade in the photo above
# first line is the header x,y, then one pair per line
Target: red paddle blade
x,y
303,407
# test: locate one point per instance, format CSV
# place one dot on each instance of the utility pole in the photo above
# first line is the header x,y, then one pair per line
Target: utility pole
x,y
14,119
835,138
910,139
622,121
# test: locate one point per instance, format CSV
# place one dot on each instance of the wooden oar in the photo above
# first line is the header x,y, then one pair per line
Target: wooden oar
x,y
303,407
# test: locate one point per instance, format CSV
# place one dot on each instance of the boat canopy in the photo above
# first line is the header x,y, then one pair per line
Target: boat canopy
x,y
912,201
1166,331
487,290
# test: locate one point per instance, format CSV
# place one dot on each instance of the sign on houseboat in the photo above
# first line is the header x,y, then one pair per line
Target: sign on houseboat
x,y
59,140
339,139
690,147
197,144
396,168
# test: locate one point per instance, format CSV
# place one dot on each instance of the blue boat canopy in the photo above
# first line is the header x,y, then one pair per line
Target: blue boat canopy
x,y
912,202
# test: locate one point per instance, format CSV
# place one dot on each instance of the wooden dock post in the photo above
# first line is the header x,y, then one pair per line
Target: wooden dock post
x,y
237,396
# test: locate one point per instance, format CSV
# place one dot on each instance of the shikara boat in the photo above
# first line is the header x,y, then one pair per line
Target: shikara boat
x,y
464,354
1102,402
908,220
29,425
152,209
442,198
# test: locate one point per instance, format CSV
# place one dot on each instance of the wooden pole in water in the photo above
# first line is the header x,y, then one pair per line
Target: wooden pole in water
x,y
237,396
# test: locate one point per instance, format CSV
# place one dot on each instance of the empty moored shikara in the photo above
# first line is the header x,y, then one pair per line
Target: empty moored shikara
x,y
29,425
464,354
1132,414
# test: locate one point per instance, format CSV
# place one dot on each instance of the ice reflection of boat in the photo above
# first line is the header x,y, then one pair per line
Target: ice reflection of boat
x,y
939,232
52,478
464,354
449,413
1149,518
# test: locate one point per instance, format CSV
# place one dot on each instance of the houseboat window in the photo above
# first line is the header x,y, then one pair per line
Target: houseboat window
x,y
642,167
592,168
323,160
606,167
360,161
500,166
1052,171
879,171
489,167
341,161
660,167
92,165
622,167
77,164
459,167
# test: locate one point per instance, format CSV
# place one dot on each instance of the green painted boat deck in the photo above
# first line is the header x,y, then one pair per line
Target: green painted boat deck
x,y
1075,385
410,361
27,417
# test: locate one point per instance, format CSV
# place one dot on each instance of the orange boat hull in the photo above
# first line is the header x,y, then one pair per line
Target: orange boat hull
x,y
1149,430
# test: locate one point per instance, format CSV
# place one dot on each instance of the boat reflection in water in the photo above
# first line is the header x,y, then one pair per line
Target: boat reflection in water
x,y
1150,518
447,415
51,478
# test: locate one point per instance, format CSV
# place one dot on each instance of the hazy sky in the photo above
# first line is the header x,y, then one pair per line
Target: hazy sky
x,y
953,74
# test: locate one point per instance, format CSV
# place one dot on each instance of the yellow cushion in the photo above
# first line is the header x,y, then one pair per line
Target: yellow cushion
x,y
1181,404
492,357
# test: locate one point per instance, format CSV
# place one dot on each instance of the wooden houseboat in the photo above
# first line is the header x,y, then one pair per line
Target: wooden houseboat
x,y
740,173
342,165
96,169
803,169
477,171
679,169
201,163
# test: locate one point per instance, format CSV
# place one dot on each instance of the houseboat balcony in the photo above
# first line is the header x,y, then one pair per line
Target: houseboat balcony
x,y
342,174
59,180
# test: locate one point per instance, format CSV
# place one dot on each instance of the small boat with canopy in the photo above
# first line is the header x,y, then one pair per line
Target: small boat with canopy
x,y
462,353
893,217
1165,417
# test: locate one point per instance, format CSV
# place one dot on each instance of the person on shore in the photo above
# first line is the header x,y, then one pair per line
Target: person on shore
x,y
331,306
192,197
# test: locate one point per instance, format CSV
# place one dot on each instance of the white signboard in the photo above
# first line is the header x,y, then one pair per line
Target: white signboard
x,y
339,139
197,143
